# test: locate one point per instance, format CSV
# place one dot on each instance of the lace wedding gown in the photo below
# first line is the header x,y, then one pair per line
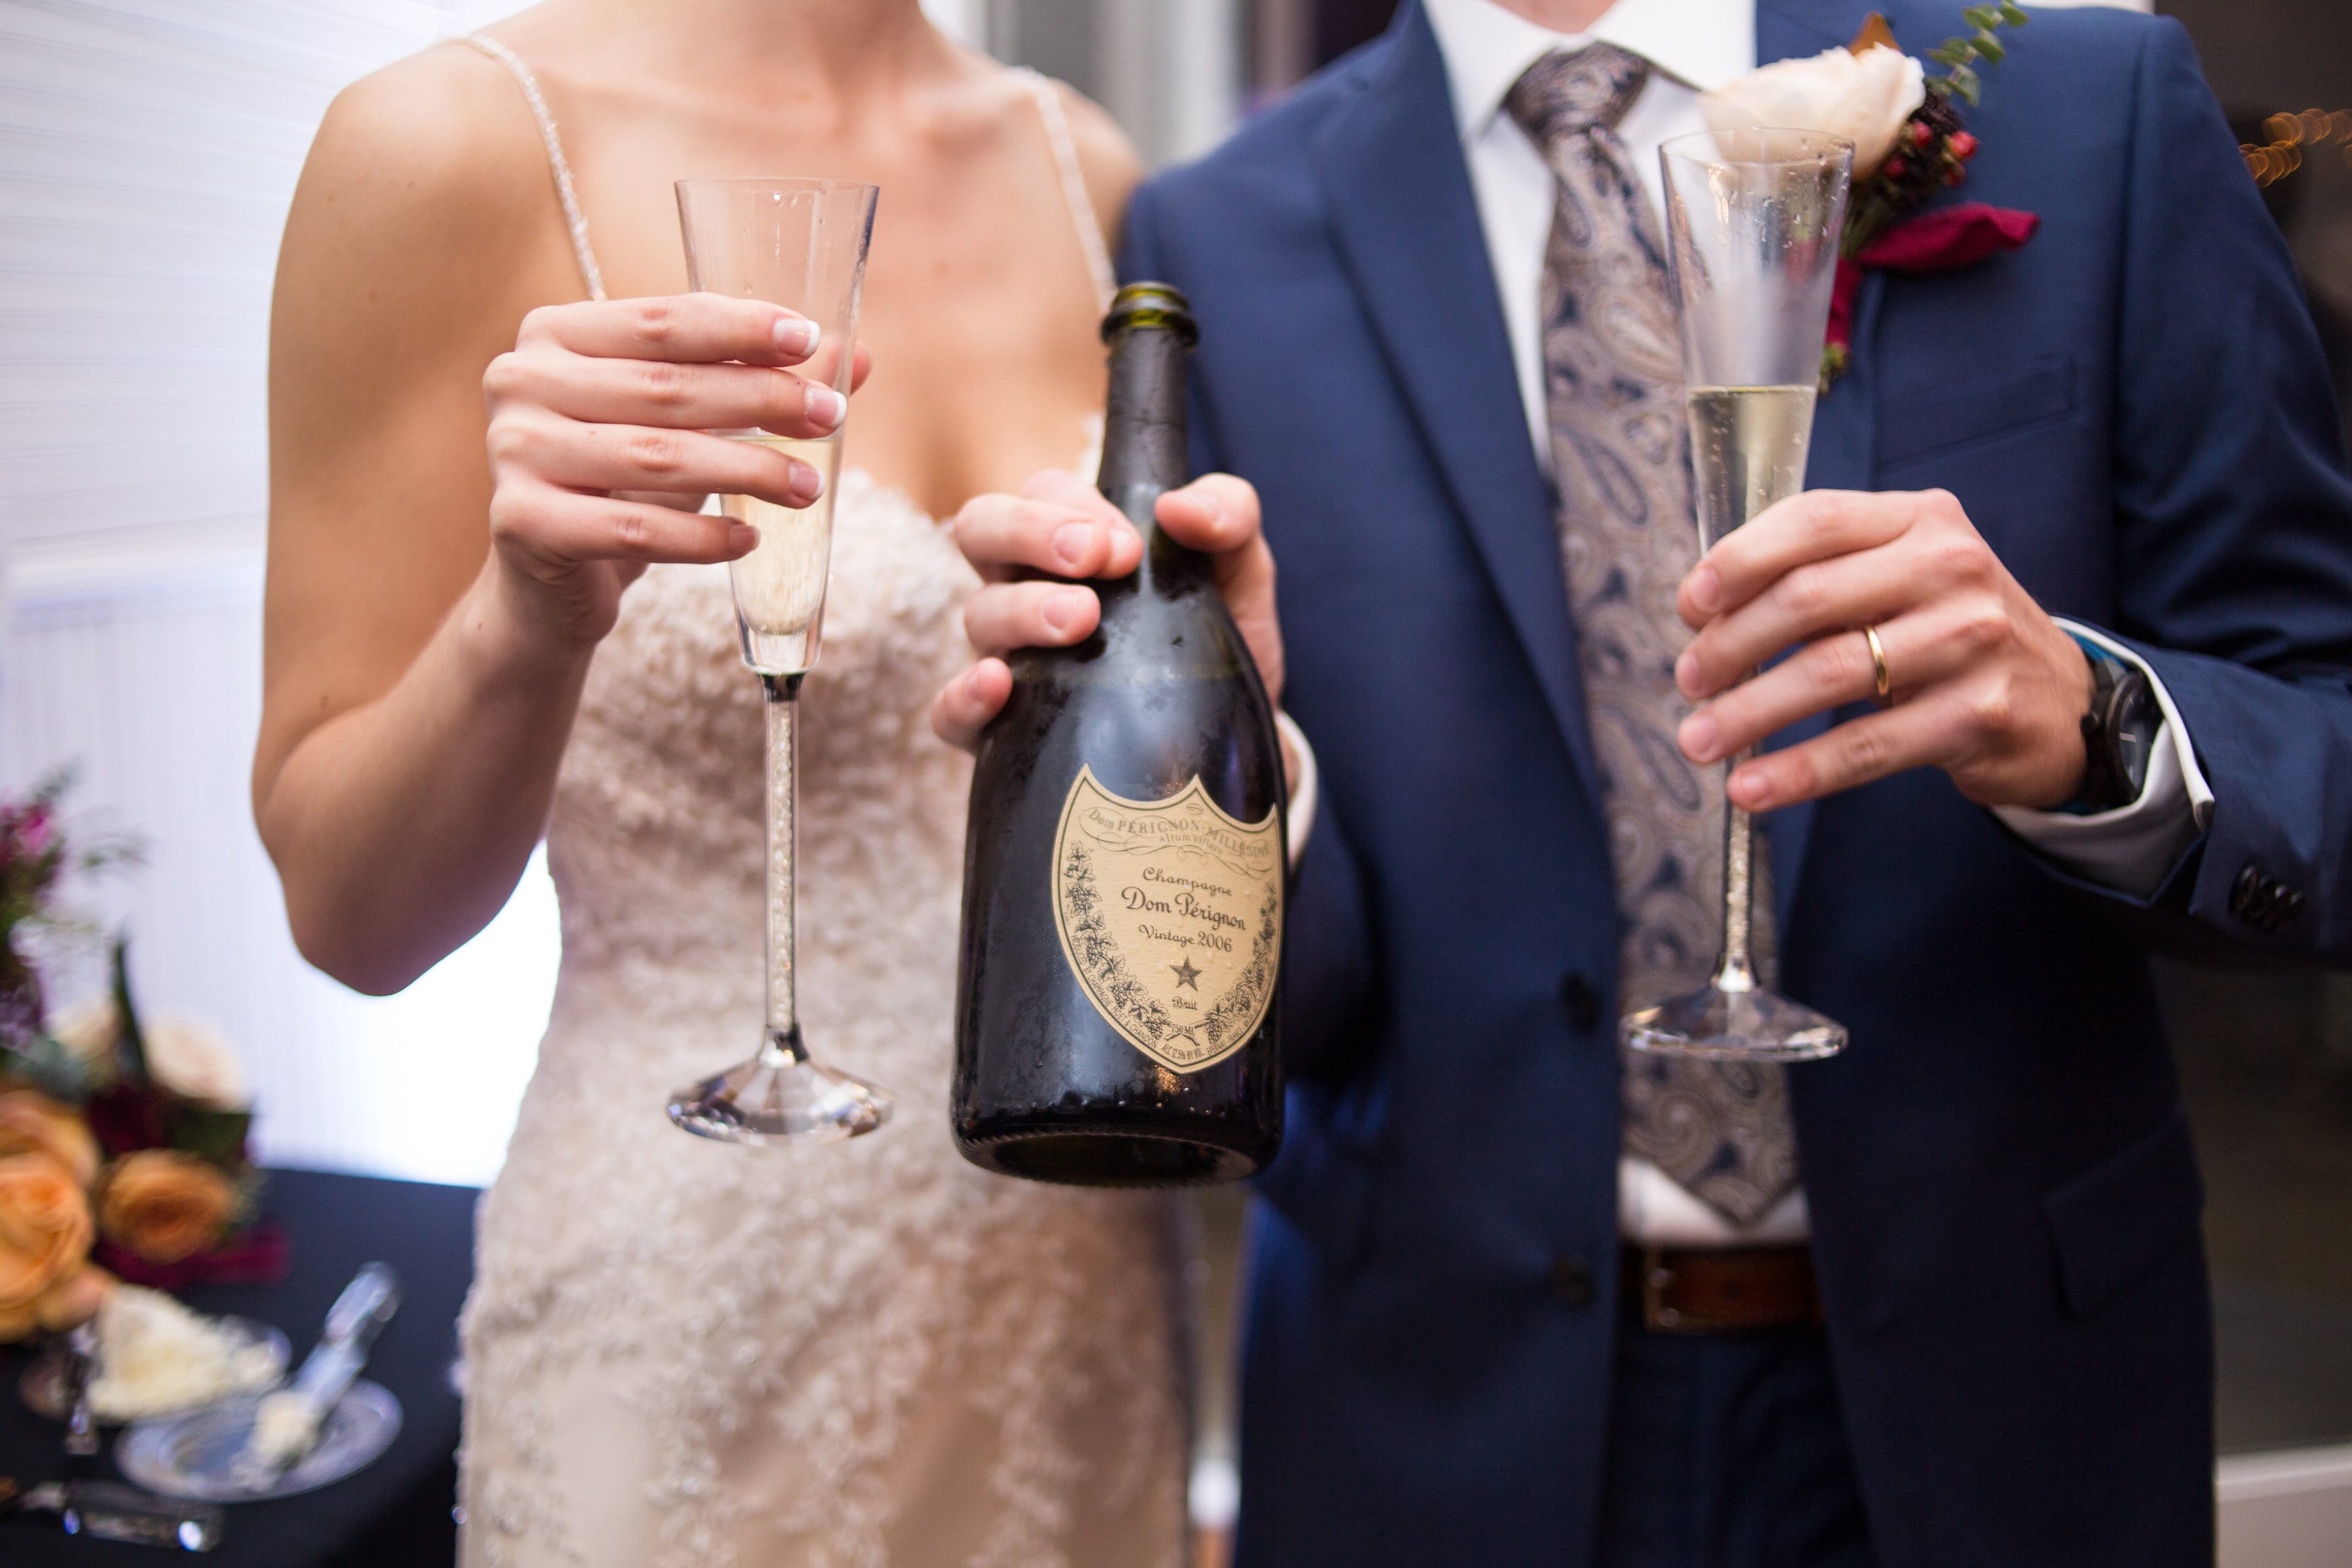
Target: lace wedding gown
x,y
866,1353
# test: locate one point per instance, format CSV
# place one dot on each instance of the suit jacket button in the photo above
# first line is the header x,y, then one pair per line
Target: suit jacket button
x,y
1582,1001
2254,898
2243,892
1571,1281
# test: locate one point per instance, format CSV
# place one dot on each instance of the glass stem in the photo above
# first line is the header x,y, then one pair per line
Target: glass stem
x,y
1738,972
781,1040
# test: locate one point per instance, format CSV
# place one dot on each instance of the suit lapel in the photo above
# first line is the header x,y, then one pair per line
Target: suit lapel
x,y
1409,236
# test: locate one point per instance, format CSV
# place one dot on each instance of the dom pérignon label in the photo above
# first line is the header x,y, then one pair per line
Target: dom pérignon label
x,y
1124,870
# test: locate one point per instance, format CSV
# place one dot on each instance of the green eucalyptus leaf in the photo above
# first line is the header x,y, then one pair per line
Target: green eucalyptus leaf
x,y
1982,17
129,1046
1965,83
48,1067
215,1135
1989,47
2013,13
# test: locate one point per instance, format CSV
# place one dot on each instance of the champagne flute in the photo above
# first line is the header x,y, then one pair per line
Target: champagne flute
x,y
800,243
1753,219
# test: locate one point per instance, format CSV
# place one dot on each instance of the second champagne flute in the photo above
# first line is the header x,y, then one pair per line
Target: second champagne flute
x,y
800,243
1753,219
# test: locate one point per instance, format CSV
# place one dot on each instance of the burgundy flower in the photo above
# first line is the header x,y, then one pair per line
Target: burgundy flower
x,y
127,1116
1940,241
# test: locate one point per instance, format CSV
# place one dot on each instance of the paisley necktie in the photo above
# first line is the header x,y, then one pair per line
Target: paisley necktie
x,y
1620,473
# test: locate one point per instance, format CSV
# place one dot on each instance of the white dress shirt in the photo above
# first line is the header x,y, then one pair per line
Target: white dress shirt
x,y
1693,46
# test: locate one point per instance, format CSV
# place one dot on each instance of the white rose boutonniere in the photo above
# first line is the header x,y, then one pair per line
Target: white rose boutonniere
x,y
1865,96
1909,145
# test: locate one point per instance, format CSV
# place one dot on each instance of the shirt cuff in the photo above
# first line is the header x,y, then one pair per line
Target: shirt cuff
x,y
1303,792
2131,848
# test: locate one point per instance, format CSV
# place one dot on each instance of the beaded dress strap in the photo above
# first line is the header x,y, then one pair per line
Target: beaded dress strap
x,y
1074,183
589,272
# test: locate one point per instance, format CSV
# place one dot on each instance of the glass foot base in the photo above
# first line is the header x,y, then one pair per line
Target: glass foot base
x,y
797,1101
1747,1025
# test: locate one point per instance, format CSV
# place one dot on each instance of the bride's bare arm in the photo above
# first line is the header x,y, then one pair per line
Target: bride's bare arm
x,y
430,613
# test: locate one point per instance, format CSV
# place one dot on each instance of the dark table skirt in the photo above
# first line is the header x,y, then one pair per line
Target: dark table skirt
x,y
398,1510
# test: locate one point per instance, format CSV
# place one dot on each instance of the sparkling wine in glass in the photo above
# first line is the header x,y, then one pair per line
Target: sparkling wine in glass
x,y
1753,218
800,243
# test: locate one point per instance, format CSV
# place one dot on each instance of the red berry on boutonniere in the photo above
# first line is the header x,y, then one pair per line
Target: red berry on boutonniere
x,y
1895,168
1964,146
1921,134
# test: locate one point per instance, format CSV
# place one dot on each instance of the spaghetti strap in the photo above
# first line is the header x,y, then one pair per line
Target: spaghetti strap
x,y
1074,183
589,272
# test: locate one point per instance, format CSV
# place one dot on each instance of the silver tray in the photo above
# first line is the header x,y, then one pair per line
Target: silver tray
x,y
196,1456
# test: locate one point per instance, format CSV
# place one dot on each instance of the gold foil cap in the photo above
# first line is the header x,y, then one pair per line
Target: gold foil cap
x,y
1150,305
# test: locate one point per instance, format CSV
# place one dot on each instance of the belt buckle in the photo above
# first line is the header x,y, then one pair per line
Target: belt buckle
x,y
1656,1279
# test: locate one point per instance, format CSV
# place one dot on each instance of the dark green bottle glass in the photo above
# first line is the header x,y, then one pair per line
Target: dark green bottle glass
x,y
1118,1022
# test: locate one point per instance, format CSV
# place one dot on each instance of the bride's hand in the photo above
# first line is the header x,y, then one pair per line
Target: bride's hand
x,y
598,448
1060,527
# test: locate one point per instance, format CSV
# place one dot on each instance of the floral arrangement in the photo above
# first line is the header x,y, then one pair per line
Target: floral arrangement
x,y
1910,142
122,1143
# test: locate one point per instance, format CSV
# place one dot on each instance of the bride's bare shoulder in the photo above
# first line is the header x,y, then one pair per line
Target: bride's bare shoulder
x,y
439,146
422,229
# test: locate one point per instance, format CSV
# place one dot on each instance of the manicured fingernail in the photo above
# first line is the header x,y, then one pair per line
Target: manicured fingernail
x,y
826,407
1698,737
1748,790
807,483
795,336
1705,588
1072,541
1063,610
741,539
1686,674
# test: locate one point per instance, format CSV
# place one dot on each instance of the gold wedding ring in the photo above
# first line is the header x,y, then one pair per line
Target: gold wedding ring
x,y
1883,688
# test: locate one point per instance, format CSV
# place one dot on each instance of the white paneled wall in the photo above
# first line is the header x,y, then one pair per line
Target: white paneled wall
x,y
148,149
153,690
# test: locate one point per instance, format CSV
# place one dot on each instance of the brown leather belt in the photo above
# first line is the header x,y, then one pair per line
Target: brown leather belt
x,y
1710,1290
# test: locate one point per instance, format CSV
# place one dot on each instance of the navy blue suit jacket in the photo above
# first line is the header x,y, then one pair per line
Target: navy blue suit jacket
x,y
2134,411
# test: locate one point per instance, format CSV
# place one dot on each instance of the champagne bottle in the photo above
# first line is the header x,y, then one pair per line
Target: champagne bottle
x,y
1124,869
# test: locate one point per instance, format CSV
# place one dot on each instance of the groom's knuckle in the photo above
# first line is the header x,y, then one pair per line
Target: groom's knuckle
x,y
1991,707
1835,665
1805,590
1824,516
1958,555
1864,752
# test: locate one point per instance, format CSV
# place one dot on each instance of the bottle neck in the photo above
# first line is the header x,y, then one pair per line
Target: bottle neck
x,y
1145,449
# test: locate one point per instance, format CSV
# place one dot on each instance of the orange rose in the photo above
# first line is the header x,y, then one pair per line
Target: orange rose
x,y
45,1232
33,1123
164,1206
68,1304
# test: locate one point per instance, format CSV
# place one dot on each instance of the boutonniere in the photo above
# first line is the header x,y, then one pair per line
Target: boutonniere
x,y
1909,142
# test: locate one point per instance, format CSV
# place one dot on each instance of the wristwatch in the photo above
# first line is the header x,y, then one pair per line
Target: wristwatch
x,y
2119,734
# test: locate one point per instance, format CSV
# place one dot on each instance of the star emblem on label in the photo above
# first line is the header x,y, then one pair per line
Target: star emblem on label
x,y
1186,974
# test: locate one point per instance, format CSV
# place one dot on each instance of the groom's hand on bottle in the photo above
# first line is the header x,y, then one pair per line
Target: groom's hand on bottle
x,y
1984,684
598,446
1028,549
